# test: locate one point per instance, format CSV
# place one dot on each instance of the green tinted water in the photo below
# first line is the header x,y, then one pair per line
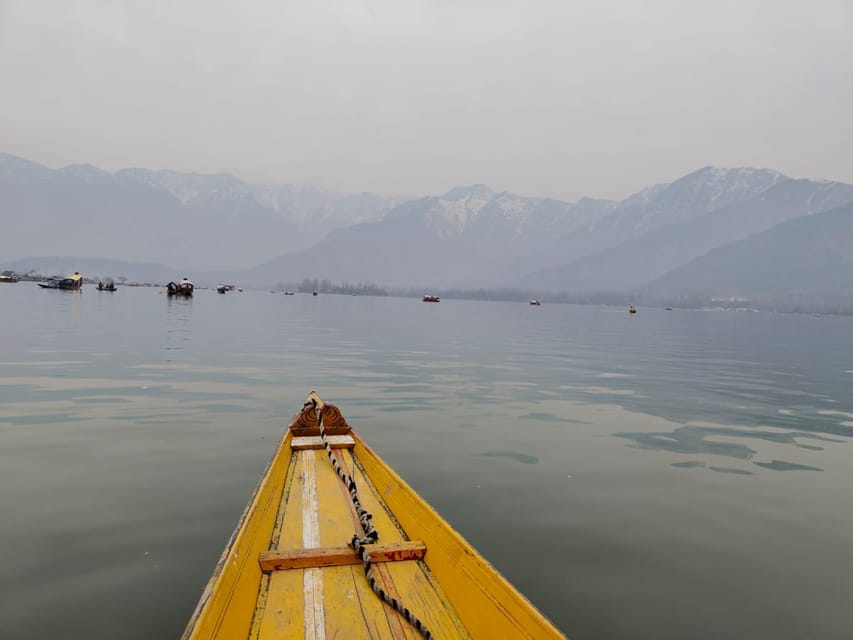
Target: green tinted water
x,y
668,475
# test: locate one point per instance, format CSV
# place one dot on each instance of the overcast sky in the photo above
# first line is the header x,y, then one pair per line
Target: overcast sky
x,y
400,97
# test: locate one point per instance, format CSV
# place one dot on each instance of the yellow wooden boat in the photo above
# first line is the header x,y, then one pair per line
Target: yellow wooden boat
x,y
346,549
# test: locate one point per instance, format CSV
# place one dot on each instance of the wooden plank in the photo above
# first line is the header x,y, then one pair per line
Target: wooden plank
x,y
357,613
410,581
410,584
301,443
339,556
487,604
284,616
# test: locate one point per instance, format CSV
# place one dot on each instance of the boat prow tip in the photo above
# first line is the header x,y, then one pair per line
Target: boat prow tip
x,y
306,422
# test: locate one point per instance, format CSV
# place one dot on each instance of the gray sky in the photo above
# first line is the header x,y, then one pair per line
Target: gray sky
x,y
553,98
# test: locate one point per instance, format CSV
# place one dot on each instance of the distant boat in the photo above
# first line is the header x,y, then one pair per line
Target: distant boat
x,y
222,288
669,308
106,285
289,293
184,288
8,279
632,309
315,293
430,298
535,303
74,283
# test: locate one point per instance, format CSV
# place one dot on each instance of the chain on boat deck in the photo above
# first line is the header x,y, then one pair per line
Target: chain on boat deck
x,y
316,511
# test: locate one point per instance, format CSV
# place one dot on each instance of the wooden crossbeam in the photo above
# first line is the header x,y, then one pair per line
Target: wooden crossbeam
x,y
337,556
300,443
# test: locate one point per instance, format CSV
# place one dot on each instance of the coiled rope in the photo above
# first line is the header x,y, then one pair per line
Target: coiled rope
x,y
371,535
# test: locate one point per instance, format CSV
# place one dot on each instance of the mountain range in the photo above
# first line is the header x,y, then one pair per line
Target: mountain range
x,y
811,258
138,215
665,238
644,258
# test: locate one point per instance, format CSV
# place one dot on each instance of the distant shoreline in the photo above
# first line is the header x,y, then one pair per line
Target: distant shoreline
x,y
787,304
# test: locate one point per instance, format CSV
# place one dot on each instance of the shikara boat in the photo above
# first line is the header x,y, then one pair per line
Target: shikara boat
x,y
184,288
73,283
107,285
334,544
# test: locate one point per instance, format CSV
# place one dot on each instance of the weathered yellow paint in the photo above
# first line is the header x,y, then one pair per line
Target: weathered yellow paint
x,y
337,556
283,616
487,604
453,590
345,594
230,598
351,607
336,516
316,442
290,534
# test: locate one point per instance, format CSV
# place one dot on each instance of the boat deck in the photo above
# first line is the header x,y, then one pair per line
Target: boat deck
x,y
302,597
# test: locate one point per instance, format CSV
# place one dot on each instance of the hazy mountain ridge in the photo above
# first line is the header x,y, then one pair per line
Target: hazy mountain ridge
x,y
655,207
313,211
811,256
472,236
207,221
448,240
645,258
468,237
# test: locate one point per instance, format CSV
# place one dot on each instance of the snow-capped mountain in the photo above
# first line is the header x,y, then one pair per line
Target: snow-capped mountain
x,y
697,193
473,236
312,211
470,236
644,258
476,210
705,190
203,221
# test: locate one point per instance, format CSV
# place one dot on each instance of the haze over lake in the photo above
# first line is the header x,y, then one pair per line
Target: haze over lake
x,y
671,474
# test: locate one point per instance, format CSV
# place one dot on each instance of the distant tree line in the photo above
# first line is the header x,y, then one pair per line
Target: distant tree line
x,y
310,285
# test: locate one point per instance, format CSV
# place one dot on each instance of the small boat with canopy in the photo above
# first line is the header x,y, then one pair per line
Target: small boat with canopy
x,y
184,288
72,283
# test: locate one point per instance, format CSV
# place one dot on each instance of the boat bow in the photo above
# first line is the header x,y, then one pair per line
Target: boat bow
x,y
292,569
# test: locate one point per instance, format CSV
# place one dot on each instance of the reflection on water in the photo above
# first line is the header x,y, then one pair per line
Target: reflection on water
x,y
695,439
642,453
781,465
550,417
732,470
511,455
688,464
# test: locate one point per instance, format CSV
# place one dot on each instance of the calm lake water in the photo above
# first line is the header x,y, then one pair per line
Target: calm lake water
x,y
678,474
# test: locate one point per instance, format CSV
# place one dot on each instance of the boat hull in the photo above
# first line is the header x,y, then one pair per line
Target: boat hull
x,y
70,286
301,508
182,290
